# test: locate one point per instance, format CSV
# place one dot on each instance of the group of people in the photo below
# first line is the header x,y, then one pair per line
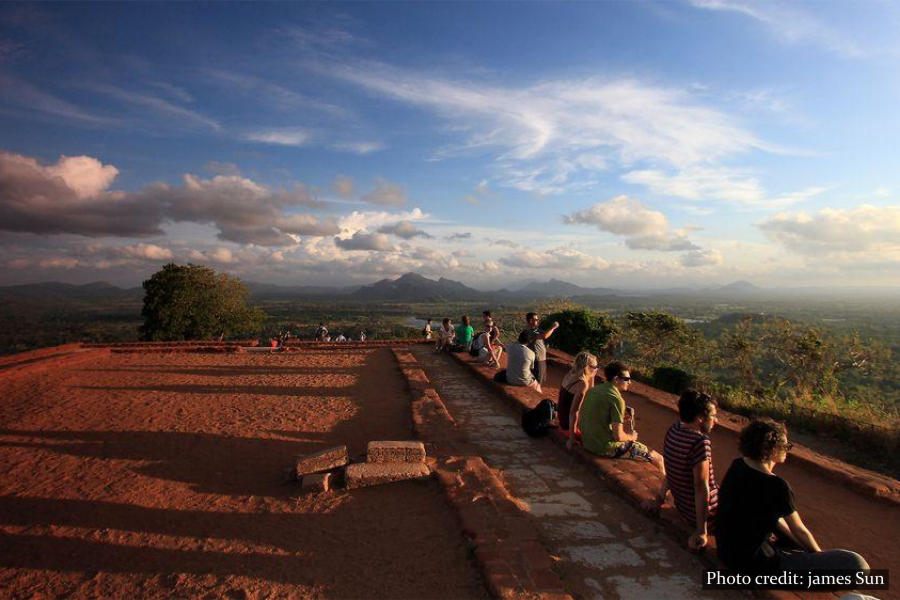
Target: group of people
x,y
322,335
752,513
526,357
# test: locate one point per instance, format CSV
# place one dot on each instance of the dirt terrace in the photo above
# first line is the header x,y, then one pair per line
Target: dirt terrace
x,y
159,476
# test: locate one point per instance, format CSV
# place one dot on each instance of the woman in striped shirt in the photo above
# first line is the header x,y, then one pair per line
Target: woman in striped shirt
x,y
688,458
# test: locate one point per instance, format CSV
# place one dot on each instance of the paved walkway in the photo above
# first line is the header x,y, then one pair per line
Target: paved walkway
x,y
605,548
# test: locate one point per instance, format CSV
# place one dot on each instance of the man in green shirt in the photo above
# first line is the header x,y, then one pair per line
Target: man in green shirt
x,y
606,426
464,333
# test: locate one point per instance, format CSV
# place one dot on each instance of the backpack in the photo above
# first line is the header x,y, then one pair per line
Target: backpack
x,y
536,421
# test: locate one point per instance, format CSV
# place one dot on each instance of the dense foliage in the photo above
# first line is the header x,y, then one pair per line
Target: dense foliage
x,y
192,302
581,329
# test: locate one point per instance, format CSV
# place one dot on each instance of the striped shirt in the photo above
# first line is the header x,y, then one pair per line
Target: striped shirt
x,y
683,449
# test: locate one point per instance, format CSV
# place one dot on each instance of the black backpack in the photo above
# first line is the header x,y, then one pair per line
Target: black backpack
x,y
536,421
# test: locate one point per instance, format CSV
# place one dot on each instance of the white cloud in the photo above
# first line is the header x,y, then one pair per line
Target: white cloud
x,y
861,231
287,136
221,255
361,220
553,132
643,228
790,22
159,105
365,241
386,193
359,147
701,258
561,258
147,252
717,184
403,229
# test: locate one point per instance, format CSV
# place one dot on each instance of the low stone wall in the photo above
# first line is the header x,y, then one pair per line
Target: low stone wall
x,y
863,481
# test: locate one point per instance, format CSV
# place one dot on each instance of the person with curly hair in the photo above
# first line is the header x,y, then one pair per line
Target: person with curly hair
x,y
758,527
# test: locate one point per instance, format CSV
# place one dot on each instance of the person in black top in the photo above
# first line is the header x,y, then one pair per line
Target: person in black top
x,y
758,527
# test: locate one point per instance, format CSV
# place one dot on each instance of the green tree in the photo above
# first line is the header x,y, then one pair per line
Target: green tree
x,y
193,302
580,329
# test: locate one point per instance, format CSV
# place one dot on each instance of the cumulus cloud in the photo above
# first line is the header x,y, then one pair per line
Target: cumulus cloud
x,y
643,228
148,252
701,258
561,258
386,194
856,231
623,216
344,186
69,196
404,229
72,196
365,241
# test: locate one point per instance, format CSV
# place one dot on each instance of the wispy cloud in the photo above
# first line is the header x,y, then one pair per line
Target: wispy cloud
x,y
358,147
158,105
19,93
284,136
273,94
551,136
790,23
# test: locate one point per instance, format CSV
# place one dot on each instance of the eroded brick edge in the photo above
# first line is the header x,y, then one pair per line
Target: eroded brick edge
x,y
505,542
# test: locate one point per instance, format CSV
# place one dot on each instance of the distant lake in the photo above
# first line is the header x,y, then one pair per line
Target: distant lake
x,y
415,322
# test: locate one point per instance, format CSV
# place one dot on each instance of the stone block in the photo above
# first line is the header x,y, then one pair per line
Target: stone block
x,y
316,482
366,474
395,451
324,460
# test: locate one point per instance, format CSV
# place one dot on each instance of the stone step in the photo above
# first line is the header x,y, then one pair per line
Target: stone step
x,y
395,452
366,474
324,460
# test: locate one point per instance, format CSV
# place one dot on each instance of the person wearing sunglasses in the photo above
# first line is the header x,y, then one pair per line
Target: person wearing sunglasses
x,y
758,527
602,421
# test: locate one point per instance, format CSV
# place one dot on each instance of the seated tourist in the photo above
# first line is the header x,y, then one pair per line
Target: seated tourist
x,y
486,347
607,428
758,527
575,384
520,364
426,331
464,335
687,452
445,336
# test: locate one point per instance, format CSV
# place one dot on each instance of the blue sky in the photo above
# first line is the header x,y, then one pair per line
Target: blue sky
x,y
631,144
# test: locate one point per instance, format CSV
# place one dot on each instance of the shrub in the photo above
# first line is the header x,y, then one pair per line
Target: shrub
x,y
580,329
672,379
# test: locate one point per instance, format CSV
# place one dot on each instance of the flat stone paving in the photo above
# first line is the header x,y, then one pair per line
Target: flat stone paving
x,y
604,547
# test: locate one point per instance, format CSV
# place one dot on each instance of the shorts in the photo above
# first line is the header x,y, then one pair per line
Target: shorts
x,y
540,370
632,450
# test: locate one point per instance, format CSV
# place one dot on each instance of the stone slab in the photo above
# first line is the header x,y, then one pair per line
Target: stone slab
x,y
324,460
366,474
395,452
316,482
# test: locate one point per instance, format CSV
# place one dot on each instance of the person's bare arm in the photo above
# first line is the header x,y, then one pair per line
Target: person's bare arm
x,y
546,334
577,399
800,533
701,505
619,435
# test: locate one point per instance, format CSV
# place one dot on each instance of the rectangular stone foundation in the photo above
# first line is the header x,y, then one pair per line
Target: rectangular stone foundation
x,y
366,474
390,452
325,460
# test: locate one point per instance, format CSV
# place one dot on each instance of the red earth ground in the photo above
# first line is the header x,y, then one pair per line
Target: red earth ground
x,y
160,476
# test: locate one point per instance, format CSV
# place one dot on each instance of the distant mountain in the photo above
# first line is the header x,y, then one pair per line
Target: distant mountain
x,y
555,288
413,287
55,291
270,291
740,287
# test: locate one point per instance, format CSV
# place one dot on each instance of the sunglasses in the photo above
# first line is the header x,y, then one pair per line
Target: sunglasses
x,y
624,378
